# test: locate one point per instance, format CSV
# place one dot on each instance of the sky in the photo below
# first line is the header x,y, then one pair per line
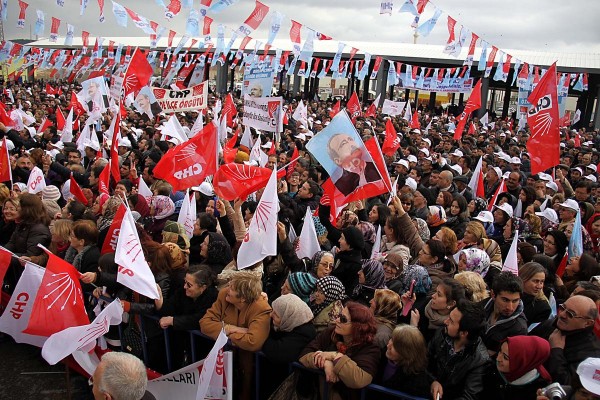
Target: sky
x,y
544,25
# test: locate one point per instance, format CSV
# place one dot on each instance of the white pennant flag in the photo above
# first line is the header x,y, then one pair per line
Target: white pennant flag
x,y
301,113
577,117
256,154
261,237
246,139
187,215
484,121
36,182
407,112
217,108
511,264
474,182
144,190
174,129
134,271
67,132
519,209
209,371
67,341
15,318
198,125
308,244
375,254
222,129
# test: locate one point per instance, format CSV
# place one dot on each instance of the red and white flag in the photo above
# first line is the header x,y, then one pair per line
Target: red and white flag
x,y
295,35
229,109
501,189
187,215
254,19
232,181
473,104
543,118
54,29
308,243
189,163
115,130
45,124
76,191
60,120
476,182
292,166
353,107
414,121
335,109
134,271
112,236
391,143
372,110
59,302
138,73
36,182
301,113
144,190
66,134
22,10
64,343
511,264
15,318
5,169
261,237
104,179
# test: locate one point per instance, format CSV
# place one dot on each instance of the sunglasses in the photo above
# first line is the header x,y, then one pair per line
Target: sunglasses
x,y
570,314
343,319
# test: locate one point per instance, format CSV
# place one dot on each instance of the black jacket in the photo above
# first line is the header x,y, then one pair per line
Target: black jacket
x,y
414,384
504,327
497,388
346,267
536,310
187,312
461,375
285,347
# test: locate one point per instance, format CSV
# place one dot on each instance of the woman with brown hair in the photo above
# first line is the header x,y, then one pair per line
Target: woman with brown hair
x,y
537,308
346,352
83,252
8,222
449,238
405,365
385,305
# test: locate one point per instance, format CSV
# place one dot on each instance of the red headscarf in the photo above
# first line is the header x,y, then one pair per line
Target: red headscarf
x,y
595,238
527,353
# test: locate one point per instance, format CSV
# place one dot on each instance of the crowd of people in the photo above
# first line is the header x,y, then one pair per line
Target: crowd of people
x,y
430,312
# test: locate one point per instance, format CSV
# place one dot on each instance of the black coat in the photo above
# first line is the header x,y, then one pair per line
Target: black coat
x,y
497,388
346,267
413,384
514,325
187,312
461,374
285,347
536,310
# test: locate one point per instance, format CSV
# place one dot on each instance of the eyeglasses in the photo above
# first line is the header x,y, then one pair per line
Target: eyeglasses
x,y
570,313
343,319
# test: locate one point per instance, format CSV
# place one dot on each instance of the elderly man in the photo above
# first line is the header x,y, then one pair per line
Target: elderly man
x,y
571,337
120,376
445,183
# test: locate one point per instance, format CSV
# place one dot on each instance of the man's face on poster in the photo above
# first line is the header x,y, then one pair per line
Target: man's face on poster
x,y
92,89
143,101
349,153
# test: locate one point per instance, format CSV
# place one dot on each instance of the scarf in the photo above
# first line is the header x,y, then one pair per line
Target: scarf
x,y
111,207
435,318
374,276
292,311
74,258
334,290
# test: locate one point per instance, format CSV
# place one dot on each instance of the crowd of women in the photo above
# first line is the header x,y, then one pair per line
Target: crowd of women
x,y
363,309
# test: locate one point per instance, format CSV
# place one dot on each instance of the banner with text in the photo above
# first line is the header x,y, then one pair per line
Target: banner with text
x,y
431,84
258,80
190,99
262,113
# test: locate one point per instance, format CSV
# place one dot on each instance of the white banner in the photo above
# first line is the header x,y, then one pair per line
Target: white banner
x,y
262,113
392,108
190,99
451,85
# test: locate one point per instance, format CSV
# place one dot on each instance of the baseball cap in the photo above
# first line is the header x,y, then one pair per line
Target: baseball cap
x,y
589,374
592,167
570,203
402,162
549,214
411,183
591,177
577,169
552,185
457,153
485,216
515,160
457,168
411,158
545,177
507,208
424,151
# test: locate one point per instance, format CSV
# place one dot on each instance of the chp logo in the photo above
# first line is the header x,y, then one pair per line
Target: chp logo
x,y
274,108
159,93
540,115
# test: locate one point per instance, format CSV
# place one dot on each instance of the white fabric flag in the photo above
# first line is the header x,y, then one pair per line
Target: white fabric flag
x,y
256,154
198,125
187,215
301,113
209,372
67,132
222,129
484,121
511,264
65,342
36,182
15,318
246,139
261,237
375,254
577,117
174,129
144,190
90,139
308,244
134,271
474,182
407,112
519,209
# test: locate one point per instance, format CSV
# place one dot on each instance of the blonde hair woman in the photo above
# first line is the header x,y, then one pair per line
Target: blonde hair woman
x,y
385,306
475,288
61,234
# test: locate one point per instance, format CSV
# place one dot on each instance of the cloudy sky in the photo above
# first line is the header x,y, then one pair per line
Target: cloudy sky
x,y
545,25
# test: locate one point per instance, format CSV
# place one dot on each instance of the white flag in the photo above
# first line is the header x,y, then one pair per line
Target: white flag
x,y
65,342
217,108
261,237
36,182
576,117
144,190
246,139
407,112
511,264
134,271
375,254
308,244
67,132
15,318
209,371
301,113
198,125
484,121
474,182
222,129
187,215
256,154
174,129
392,108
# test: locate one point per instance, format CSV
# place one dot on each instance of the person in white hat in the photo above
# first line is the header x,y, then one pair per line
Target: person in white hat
x,y
588,371
567,212
492,181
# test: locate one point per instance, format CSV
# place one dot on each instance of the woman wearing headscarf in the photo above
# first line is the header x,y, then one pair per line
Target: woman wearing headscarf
x,y
370,277
138,203
519,371
215,251
593,228
385,306
109,210
476,206
326,301
161,208
421,290
475,237
369,232
475,260
320,264
301,284
292,332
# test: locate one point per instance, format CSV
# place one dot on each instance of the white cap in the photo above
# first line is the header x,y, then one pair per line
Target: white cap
x,y
592,167
498,171
124,142
563,144
507,208
591,177
515,160
457,153
505,157
549,214
411,158
502,134
506,175
300,136
173,140
589,374
424,151
577,169
457,168
59,145
10,145
545,177
402,162
411,183
552,185
426,140
485,216
206,189
570,203
415,130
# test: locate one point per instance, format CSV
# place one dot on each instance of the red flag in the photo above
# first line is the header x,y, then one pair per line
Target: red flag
x,y
229,109
353,107
480,188
104,179
5,258
4,117
5,169
229,151
472,129
233,181
414,121
50,89
59,301
372,110
335,109
273,150
391,142
473,104
114,153
187,164
501,189
76,191
292,167
76,105
544,143
60,119
45,124
112,235
563,265
138,73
